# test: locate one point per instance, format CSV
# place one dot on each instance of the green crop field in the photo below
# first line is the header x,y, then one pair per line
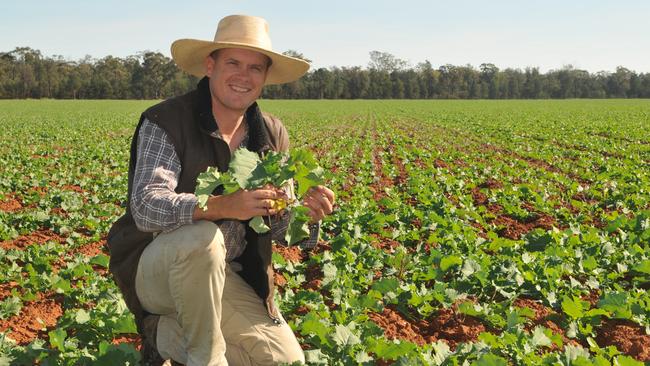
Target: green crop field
x,y
465,233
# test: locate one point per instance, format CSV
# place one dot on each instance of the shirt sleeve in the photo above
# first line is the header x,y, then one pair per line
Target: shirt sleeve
x,y
154,203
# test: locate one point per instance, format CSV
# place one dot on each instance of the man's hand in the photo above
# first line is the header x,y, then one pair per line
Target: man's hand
x,y
240,205
320,201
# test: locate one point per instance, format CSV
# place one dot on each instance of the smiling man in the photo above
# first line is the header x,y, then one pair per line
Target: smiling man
x,y
200,282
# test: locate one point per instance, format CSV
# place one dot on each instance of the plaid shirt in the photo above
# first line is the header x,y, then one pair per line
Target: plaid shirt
x,y
156,207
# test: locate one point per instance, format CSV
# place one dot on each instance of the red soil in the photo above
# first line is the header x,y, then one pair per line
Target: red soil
x,y
36,318
385,244
279,280
313,277
10,204
629,337
491,184
513,229
402,179
291,254
36,237
92,249
74,188
377,188
446,325
134,339
592,297
440,164
480,199
5,289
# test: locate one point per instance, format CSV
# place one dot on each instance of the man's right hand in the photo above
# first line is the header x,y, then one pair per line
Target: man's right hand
x,y
240,205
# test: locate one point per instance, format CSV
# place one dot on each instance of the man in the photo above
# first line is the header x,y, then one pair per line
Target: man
x,y
200,282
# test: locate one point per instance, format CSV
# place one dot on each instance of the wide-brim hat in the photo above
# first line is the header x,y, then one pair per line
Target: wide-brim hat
x,y
238,31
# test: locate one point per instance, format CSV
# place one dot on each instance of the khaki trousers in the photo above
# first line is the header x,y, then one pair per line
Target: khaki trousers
x,y
209,314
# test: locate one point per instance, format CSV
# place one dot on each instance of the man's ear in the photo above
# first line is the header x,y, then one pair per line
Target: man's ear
x,y
209,65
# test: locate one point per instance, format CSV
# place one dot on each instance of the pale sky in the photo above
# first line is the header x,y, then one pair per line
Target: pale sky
x,y
592,35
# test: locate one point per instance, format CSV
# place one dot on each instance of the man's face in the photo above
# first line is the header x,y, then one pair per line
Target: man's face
x,y
236,77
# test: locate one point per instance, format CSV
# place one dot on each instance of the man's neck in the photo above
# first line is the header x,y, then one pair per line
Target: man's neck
x,y
228,121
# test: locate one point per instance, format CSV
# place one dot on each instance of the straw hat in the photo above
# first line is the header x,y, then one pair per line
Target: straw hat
x,y
238,31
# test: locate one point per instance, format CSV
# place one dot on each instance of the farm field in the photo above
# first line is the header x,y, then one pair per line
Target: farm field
x,y
465,233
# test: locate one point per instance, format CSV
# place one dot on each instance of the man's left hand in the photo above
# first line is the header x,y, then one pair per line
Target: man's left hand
x,y
320,202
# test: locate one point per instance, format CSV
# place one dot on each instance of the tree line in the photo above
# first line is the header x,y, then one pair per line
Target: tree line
x,y
26,73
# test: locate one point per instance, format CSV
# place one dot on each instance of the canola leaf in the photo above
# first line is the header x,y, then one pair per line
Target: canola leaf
x,y
449,261
100,260
490,360
125,324
363,357
82,316
316,357
241,166
600,361
642,267
469,308
343,336
391,350
572,307
329,273
207,182
616,303
57,338
312,325
257,224
627,361
298,229
540,339
386,285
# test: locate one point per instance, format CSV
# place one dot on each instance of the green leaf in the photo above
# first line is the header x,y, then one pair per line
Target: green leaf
x,y
490,360
312,325
125,324
573,307
449,261
391,350
257,223
57,338
343,336
82,316
329,273
600,361
540,338
386,285
298,229
316,357
10,306
642,267
207,182
627,361
100,260
616,303
241,166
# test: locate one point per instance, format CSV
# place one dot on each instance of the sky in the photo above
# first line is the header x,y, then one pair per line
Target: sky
x,y
590,35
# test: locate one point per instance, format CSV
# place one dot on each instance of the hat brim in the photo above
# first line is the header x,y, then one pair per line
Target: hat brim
x,y
190,54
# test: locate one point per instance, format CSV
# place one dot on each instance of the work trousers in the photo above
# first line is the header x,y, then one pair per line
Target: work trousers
x,y
208,314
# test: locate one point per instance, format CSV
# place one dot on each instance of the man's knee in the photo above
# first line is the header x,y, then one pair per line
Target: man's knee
x,y
264,353
202,241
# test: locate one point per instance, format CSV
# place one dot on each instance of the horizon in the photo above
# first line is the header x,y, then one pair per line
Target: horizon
x,y
595,37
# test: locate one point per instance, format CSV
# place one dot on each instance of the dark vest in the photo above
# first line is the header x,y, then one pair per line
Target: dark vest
x,y
188,122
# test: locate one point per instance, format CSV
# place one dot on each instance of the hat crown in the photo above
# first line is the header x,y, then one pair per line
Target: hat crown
x,y
244,29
